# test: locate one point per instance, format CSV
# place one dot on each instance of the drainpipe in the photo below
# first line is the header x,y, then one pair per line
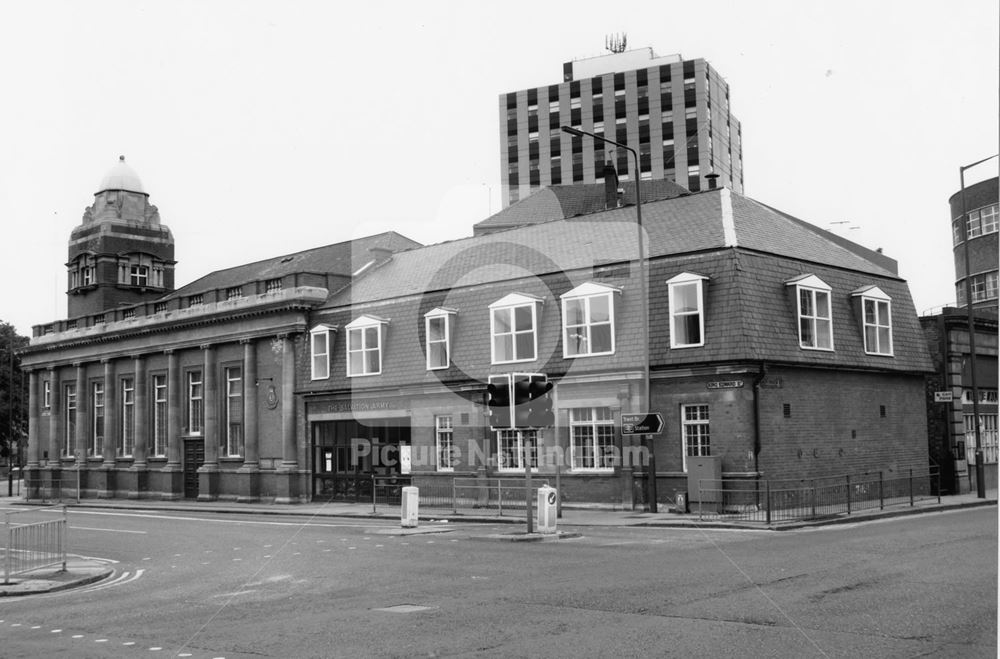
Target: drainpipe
x,y
756,415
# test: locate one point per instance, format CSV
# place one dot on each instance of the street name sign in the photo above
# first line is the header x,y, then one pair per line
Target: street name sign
x,y
648,423
943,397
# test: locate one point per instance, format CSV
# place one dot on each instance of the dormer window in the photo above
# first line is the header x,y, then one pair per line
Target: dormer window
x,y
513,323
437,330
686,294
588,320
815,319
876,319
319,348
364,346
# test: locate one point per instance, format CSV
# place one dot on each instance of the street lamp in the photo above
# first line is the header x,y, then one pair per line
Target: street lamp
x,y
980,468
644,304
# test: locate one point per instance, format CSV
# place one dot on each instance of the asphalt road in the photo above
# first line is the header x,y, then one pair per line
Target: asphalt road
x,y
265,586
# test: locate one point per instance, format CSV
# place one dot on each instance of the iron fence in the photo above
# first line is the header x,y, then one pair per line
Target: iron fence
x,y
492,495
778,501
34,545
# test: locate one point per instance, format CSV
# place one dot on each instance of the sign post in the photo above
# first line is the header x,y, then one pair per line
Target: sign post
x,y
643,423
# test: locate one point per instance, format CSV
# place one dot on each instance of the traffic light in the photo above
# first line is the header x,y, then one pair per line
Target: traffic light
x,y
498,401
532,401
540,414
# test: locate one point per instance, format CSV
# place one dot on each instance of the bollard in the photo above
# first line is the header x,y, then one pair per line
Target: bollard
x,y
547,498
409,507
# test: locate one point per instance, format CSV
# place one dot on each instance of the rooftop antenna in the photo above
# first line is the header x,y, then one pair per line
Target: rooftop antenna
x,y
616,43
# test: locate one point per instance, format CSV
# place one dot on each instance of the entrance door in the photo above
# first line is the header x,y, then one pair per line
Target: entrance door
x,y
349,457
194,457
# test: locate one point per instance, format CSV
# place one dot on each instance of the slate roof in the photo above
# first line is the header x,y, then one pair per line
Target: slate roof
x,y
560,202
341,259
690,223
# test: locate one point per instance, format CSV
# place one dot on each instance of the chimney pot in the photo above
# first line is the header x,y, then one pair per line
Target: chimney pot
x,y
611,190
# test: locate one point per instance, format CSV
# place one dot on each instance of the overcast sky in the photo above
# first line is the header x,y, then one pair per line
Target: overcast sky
x,y
262,128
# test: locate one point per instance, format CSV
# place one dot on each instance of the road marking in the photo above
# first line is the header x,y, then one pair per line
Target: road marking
x,y
90,528
307,522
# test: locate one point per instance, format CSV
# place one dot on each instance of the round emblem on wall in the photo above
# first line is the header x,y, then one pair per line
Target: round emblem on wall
x,y
272,397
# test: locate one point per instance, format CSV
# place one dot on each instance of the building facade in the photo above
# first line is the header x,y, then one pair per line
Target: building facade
x,y
779,349
950,409
674,112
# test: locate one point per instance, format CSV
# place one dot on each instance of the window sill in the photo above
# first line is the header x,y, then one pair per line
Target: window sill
x,y
588,354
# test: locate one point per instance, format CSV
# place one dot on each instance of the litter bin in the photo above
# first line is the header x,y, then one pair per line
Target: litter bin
x,y
410,503
547,497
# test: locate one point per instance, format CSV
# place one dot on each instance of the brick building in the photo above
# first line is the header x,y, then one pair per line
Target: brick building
x,y
781,349
951,428
674,112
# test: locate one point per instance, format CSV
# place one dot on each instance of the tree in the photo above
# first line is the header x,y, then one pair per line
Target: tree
x,y
13,393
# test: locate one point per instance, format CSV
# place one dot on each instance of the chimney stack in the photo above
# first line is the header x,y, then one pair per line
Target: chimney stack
x,y
610,186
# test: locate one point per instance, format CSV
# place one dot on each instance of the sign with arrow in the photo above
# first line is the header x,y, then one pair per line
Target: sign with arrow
x,y
645,423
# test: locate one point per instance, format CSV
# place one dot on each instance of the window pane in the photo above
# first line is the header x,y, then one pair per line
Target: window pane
x,y
501,321
437,357
823,334
503,347
685,298
522,318
372,361
435,329
870,311
884,340
883,313
355,361
806,303
600,338
371,337
574,312
687,329
600,311
806,328
822,304
526,346
354,339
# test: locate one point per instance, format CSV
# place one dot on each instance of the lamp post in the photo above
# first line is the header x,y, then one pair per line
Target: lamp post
x,y
644,304
980,469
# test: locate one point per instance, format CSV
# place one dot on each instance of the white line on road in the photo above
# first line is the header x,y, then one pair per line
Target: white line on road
x,y
233,521
90,528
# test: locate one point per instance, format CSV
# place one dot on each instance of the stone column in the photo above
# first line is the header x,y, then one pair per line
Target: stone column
x,y
104,479
287,489
249,483
33,419
175,401
111,428
82,418
173,485
138,473
208,473
141,423
55,419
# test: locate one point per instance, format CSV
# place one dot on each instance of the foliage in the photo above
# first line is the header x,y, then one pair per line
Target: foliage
x,y
13,390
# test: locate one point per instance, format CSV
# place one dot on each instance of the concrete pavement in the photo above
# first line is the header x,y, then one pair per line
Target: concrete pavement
x,y
80,571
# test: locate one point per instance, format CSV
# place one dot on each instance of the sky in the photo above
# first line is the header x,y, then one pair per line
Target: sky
x,y
261,128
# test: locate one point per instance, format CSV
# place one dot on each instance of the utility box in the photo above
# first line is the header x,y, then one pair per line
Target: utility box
x,y
547,498
410,504
704,482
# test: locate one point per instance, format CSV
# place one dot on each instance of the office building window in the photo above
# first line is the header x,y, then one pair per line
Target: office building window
x,y
814,315
592,438
588,320
126,445
694,432
69,426
686,303
234,412
437,330
96,447
511,445
195,409
364,346
159,416
513,320
443,436
319,346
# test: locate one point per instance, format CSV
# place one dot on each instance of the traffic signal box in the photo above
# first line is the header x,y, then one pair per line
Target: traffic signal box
x,y
520,400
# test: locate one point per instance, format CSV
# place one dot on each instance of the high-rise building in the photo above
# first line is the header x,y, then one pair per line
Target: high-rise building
x,y
673,112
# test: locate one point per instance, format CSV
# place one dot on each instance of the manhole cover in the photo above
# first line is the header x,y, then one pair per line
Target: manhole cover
x,y
405,608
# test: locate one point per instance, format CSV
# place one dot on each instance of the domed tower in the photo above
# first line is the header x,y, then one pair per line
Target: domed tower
x,y
120,254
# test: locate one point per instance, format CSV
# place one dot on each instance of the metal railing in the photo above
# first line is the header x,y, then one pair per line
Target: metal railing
x,y
34,545
493,495
782,501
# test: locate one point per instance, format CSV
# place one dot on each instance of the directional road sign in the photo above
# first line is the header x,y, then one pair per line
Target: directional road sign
x,y
646,423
